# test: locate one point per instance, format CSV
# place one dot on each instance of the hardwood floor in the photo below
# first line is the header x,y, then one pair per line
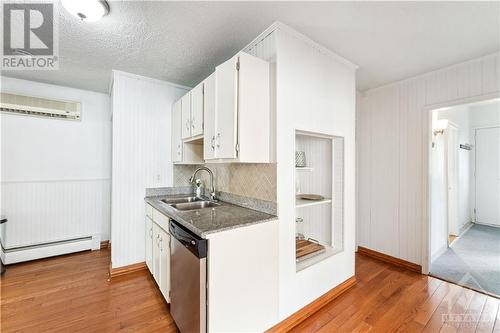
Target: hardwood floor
x,y
72,294
388,298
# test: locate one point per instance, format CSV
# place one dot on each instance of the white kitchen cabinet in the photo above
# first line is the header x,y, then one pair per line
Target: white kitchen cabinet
x,y
186,116
242,111
158,250
149,244
209,118
163,278
197,110
176,132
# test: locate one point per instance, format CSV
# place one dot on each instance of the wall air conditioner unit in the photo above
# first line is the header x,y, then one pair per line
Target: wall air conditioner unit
x,y
39,107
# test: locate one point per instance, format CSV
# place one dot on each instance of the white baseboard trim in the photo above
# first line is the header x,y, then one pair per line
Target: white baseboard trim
x,y
487,224
12,256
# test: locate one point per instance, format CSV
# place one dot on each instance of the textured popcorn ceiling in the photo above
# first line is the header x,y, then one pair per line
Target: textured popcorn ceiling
x,y
248,180
182,42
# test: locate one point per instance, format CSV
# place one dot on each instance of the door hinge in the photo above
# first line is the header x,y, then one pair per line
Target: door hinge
x,y
237,148
238,65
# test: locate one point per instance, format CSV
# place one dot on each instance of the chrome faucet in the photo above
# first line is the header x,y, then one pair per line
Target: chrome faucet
x,y
212,188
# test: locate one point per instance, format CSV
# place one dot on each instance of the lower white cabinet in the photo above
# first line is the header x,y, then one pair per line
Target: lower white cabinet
x,y
149,243
158,253
163,278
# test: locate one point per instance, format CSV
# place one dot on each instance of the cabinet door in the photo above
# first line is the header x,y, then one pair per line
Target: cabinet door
x,y
209,118
197,110
176,132
156,252
164,271
149,244
186,115
226,90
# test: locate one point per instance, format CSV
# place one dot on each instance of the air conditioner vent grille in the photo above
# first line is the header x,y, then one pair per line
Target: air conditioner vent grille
x,y
40,107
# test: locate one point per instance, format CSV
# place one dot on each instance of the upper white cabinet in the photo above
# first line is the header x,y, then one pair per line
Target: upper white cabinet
x,y
209,118
197,110
192,113
227,117
241,117
176,132
186,115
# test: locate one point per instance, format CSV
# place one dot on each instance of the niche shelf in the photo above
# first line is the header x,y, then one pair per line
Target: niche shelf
x,y
304,169
305,203
319,223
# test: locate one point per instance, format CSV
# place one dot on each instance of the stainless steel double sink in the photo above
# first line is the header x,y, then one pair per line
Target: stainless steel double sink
x,y
189,203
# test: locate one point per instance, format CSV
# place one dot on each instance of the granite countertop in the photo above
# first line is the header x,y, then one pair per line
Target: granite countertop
x,y
203,222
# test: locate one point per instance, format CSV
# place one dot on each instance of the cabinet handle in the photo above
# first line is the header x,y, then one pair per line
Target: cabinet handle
x,y
213,142
218,140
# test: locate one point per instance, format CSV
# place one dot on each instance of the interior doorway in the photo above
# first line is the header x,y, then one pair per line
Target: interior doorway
x,y
465,195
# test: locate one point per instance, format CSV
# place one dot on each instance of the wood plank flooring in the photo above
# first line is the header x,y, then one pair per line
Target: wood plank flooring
x,y
391,299
72,294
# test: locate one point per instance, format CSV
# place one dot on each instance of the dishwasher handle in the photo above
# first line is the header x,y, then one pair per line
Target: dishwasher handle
x,y
190,241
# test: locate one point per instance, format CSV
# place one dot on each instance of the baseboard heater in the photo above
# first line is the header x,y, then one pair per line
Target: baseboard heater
x,y
31,252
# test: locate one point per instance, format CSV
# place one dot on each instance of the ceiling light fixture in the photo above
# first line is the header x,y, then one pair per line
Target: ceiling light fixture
x,y
87,10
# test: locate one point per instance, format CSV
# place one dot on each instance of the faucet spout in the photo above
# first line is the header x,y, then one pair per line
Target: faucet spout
x,y
212,187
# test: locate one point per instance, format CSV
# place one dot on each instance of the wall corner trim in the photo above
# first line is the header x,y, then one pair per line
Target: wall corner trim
x,y
389,259
115,272
313,307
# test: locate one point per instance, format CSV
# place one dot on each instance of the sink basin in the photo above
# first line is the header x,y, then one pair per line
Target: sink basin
x,y
195,205
181,200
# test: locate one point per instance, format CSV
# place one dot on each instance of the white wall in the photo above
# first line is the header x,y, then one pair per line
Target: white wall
x,y
315,92
485,114
393,149
55,173
141,157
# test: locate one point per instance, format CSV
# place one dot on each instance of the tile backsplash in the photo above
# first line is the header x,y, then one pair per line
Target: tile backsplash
x,y
248,180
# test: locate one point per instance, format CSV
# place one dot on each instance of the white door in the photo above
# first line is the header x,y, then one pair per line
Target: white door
x,y
226,92
186,115
149,244
197,110
452,179
164,271
209,118
488,175
176,132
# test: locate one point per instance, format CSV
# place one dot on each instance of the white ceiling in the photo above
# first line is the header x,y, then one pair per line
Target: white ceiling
x,y
182,42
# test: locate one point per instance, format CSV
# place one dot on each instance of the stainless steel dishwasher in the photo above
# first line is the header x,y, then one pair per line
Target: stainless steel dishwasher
x,y
188,269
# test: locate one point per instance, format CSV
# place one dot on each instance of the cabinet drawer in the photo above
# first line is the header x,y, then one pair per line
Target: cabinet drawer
x,y
149,211
160,219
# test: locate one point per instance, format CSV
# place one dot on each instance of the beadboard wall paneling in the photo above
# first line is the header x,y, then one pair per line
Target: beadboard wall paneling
x,y
47,211
55,179
249,180
141,157
392,137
